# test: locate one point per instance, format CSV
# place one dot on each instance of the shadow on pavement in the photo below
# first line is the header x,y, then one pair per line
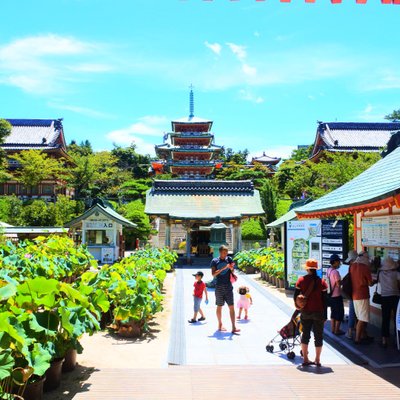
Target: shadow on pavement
x,y
312,369
222,335
72,383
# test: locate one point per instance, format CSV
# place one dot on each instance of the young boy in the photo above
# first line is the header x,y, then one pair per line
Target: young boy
x,y
199,289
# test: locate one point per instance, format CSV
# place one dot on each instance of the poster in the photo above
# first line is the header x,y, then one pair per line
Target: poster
x,y
381,231
303,241
107,255
334,241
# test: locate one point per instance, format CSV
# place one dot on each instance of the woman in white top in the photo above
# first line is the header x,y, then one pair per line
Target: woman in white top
x,y
389,281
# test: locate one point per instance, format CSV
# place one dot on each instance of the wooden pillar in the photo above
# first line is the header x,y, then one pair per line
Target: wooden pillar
x,y
239,236
168,233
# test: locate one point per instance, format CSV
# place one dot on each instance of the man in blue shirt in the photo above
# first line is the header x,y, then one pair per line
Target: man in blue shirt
x,y
222,268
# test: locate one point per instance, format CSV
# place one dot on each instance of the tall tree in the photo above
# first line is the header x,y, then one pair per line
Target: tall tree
x,y
5,130
302,153
82,149
36,166
393,116
269,200
129,160
235,157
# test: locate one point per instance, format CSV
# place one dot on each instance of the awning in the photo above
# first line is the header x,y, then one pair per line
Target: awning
x,y
284,218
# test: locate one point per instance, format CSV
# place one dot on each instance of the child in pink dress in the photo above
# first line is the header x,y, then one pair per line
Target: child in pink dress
x,y
244,302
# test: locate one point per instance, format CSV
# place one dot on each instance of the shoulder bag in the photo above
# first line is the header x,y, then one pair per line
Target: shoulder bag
x,y
301,300
347,286
377,297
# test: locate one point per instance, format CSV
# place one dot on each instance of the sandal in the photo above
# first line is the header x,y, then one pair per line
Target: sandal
x,y
307,364
318,364
235,331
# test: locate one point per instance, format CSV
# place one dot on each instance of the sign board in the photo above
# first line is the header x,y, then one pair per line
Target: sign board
x,y
334,238
98,224
381,231
303,241
107,255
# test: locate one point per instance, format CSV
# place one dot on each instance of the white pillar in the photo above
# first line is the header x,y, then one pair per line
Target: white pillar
x,y
188,243
168,233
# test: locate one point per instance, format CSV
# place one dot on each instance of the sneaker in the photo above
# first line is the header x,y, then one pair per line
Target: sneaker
x,y
201,319
192,321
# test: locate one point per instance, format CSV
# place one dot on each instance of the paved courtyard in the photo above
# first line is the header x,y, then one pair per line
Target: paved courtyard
x,y
203,344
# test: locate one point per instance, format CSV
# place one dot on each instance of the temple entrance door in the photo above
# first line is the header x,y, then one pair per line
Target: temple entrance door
x,y
200,240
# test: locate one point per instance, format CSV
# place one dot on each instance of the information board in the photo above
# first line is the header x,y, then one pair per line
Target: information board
x,y
381,231
107,255
334,238
303,241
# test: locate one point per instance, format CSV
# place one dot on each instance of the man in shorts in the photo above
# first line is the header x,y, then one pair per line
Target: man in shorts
x,y
361,280
222,268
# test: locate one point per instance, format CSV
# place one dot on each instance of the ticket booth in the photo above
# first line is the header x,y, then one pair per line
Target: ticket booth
x,y
101,229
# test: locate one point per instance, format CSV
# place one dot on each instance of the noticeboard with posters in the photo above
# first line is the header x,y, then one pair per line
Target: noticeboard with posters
x,y
303,241
317,239
382,231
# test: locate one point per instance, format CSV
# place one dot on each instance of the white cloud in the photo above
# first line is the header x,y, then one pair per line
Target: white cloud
x,y
384,79
371,113
368,109
249,70
149,125
249,96
238,50
88,112
37,64
257,34
214,47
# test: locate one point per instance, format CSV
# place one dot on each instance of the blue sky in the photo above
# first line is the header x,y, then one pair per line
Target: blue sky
x,y
265,72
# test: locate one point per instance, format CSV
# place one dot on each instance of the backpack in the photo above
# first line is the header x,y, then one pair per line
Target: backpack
x,y
347,286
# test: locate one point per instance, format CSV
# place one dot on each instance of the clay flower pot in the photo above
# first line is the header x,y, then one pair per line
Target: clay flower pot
x,y
53,375
70,360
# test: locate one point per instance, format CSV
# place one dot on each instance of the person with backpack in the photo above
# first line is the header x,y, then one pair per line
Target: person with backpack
x,y
335,295
310,298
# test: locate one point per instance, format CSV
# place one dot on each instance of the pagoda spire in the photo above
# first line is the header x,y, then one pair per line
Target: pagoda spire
x,y
191,102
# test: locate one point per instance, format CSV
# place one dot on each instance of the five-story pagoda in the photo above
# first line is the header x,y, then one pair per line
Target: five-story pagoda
x,y
189,151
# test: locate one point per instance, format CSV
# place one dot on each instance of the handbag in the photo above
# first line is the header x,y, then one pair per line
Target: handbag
x,y
233,278
301,300
377,297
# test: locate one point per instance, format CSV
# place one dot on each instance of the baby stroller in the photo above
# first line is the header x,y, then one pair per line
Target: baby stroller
x,y
287,338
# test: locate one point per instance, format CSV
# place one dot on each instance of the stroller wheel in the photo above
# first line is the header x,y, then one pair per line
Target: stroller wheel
x,y
282,346
270,348
291,355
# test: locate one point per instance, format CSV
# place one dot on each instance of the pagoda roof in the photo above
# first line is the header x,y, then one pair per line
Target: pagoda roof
x,y
376,184
203,199
190,149
191,120
38,134
266,159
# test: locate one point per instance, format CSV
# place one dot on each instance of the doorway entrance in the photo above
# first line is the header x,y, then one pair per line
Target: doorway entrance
x,y
200,239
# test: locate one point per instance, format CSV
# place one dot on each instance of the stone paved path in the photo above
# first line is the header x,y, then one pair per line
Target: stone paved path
x,y
204,345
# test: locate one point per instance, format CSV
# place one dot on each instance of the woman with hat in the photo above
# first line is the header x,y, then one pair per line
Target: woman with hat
x,y
388,280
310,298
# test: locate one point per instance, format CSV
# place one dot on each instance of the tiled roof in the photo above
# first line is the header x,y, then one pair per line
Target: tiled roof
x,y
205,199
349,136
107,211
378,182
34,133
191,120
266,159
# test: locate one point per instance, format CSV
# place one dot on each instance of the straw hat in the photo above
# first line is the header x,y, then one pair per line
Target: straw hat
x,y
388,264
311,263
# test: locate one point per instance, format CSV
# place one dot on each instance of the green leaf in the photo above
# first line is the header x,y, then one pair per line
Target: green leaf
x,y
6,364
7,291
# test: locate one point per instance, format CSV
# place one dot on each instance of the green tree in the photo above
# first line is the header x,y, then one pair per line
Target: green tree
x,y
253,229
257,173
235,157
303,153
393,116
129,160
134,190
134,211
10,209
66,209
38,213
5,130
269,200
82,149
36,166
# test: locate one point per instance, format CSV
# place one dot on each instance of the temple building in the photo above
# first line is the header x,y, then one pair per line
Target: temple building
x,y
183,209
268,162
46,135
348,137
189,151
